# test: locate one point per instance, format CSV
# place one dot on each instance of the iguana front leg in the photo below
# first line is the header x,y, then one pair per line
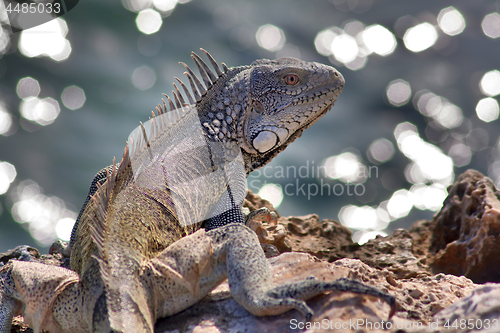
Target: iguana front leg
x,y
251,283
234,250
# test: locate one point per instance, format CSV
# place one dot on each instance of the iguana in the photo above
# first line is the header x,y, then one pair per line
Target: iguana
x,y
132,260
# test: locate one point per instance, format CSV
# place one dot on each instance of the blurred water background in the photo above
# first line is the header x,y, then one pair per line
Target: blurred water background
x,y
419,107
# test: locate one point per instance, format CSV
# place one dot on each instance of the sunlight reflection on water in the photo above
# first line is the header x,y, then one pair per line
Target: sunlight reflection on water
x,y
452,135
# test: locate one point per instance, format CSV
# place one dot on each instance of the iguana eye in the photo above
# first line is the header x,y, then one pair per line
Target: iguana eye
x,y
291,79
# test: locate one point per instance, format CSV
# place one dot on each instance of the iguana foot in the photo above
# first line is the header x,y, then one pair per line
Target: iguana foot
x,y
311,287
261,214
252,220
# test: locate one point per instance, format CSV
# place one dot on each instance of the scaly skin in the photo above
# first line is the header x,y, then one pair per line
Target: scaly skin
x,y
131,260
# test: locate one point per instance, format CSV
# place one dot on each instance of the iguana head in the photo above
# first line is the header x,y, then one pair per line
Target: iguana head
x,y
287,96
262,107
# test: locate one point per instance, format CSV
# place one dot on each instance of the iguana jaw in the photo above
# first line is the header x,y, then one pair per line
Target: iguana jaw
x,y
274,136
275,119
256,160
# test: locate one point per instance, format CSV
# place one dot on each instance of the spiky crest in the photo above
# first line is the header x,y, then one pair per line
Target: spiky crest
x,y
191,74
186,91
177,106
101,200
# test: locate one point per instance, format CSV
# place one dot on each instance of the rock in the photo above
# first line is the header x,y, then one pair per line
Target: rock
x,y
478,312
330,240
430,270
418,298
29,253
327,239
466,232
220,313
394,252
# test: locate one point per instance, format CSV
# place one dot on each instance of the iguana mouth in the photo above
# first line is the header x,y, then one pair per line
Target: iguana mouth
x,y
332,98
318,95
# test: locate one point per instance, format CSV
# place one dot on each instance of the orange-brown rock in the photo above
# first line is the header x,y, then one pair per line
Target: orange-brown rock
x,y
466,232
427,269
419,299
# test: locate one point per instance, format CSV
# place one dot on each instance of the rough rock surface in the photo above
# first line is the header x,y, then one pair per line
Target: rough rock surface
x,y
430,269
418,299
466,235
478,312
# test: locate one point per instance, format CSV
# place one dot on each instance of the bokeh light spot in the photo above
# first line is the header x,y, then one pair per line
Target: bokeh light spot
x,y
143,78
5,121
379,40
165,5
344,48
73,97
446,114
490,83
148,21
381,150
270,37
420,37
398,92
64,227
451,21
487,109
449,116
42,111
324,39
357,63
47,39
27,87
431,162
7,175
362,237
428,197
41,213
136,5
4,41
361,218
491,25
478,139
273,193
460,154
400,203
346,167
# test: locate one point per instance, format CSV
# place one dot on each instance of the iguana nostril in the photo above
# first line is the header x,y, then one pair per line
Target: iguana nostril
x,y
336,76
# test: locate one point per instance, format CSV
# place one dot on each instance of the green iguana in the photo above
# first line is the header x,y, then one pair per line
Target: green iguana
x,y
164,227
